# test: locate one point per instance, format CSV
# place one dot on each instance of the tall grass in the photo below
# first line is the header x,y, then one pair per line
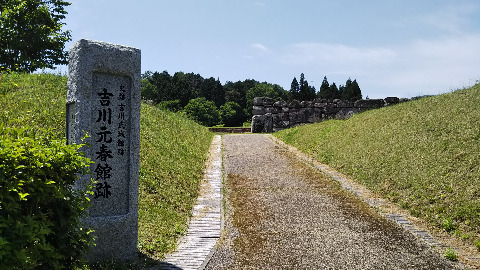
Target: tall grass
x,y
423,155
172,154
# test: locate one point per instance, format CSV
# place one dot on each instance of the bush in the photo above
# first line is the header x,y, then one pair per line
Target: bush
x,y
203,111
171,105
41,212
232,114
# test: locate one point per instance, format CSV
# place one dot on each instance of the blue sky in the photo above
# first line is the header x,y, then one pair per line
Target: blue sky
x,y
400,48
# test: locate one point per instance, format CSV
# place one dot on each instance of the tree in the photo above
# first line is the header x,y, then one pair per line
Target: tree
x,y
202,111
334,92
324,91
212,89
182,88
170,105
351,91
232,114
31,34
294,89
158,87
237,91
306,92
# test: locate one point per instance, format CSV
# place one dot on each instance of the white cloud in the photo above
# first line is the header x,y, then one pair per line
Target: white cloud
x,y
259,46
418,67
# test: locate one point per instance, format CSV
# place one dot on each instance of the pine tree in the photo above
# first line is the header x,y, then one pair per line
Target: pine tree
x,y
351,91
356,92
324,91
306,92
334,92
294,89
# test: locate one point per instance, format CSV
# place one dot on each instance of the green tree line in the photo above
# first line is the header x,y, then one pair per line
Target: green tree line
x,y
210,103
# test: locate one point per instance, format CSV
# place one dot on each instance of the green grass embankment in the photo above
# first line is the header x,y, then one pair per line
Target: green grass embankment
x,y
172,154
423,155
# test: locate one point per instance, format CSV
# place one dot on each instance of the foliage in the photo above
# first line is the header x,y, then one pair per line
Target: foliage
x,y
328,91
32,35
202,111
212,89
237,91
170,105
301,90
351,91
232,114
175,92
306,92
172,155
421,154
40,225
450,255
294,89
7,80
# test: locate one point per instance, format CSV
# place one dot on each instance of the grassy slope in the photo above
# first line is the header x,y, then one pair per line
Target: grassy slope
x,y
421,154
172,155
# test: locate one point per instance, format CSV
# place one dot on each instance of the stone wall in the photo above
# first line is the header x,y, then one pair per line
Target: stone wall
x,y
271,116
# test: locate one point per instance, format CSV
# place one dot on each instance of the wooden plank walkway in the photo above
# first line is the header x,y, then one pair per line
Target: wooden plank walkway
x,y
204,230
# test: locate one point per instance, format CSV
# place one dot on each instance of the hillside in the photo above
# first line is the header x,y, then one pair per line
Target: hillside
x,y
423,155
172,155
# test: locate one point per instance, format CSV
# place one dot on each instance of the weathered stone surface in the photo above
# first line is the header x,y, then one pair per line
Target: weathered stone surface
x,y
391,101
258,122
305,104
294,104
369,103
258,110
269,109
296,113
280,104
258,101
263,101
103,100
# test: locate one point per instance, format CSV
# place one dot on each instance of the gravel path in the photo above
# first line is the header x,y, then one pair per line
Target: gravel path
x,y
282,214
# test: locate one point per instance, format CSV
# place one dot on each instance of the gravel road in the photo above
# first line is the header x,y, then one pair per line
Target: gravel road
x,y
282,214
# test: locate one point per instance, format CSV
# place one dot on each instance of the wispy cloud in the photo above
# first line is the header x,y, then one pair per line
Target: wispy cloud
x,y
259,46
259,4
409,69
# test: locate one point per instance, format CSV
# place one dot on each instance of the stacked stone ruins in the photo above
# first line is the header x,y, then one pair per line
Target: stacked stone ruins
x,y
271,116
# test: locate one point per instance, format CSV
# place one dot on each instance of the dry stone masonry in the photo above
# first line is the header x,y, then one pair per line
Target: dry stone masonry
x,y
103,102
271,116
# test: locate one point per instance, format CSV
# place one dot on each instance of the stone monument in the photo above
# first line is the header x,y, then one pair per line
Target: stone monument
x,y
103,103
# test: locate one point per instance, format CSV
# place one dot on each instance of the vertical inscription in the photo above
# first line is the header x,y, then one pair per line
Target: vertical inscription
x,y
71,111
110,143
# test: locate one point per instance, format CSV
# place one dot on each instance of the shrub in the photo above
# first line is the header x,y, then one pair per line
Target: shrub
x,y
203,111
232,114
171,105
41,212
450,255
